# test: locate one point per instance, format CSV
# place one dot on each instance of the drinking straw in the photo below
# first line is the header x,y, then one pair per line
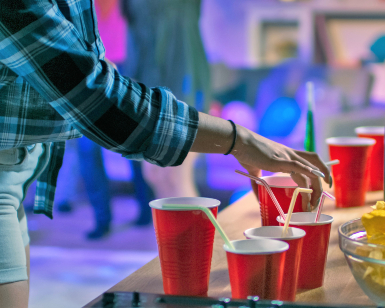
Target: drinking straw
x,y
332,162
209,215
309,143
291,207
321,203
263,182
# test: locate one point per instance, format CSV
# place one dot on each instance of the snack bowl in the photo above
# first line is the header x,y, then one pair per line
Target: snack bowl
x,y
366,261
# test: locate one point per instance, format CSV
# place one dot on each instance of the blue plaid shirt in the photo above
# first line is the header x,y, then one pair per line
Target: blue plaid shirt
x,y
55,85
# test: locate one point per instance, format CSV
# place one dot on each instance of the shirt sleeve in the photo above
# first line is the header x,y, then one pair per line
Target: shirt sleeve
x,y
39,44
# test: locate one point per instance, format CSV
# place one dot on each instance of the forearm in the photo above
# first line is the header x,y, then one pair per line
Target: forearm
x,y
40,45
253,151
215,135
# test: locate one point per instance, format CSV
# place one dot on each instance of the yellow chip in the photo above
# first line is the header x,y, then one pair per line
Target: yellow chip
x,y
374,222
380,205
378,239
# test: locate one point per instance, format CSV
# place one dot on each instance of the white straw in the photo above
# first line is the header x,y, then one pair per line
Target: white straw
x,y
310,95
332,162
321,203
263,182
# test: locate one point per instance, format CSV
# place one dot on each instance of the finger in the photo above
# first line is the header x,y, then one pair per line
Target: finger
x,y
316,161
316,185
301,181
303,161
297,167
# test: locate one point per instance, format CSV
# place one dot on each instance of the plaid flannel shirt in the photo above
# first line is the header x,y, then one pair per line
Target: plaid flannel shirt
x,y
55,85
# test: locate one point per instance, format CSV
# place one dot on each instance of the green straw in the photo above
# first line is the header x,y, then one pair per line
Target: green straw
x,y
209,215
309,143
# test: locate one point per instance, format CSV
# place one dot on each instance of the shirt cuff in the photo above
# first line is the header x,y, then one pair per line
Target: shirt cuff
x,y
174,132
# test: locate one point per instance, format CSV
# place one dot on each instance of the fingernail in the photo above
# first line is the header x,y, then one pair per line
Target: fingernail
x,y
318,173
331,182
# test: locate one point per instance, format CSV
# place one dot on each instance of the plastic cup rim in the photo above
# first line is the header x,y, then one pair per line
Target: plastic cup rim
x,y
350,141
287,238
370,130
284,247
299,223
277,186
173,200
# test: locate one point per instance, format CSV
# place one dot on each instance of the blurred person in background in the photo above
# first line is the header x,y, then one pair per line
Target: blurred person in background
x,y
89,165
165,48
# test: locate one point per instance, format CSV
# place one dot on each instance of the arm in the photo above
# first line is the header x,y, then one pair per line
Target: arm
x,y
255,152
39,44
45,49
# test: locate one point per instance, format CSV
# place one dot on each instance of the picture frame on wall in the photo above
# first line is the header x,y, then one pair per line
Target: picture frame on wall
x,y
279,41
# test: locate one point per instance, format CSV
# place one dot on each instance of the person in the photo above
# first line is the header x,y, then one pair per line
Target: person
x,y
165,48
55,85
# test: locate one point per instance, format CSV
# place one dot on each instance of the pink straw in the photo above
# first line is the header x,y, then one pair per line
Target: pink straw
x,y
263,182
321,203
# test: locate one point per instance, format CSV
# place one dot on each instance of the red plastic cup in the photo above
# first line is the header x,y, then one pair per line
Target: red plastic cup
x,y
350,176
376,159
283,188
314,249
294,238
185,244
256,267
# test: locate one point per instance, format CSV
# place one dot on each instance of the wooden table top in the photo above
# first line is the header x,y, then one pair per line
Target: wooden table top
x,y
339,284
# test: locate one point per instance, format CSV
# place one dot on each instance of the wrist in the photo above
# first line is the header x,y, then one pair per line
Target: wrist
x,y
240,145
214,135
234,127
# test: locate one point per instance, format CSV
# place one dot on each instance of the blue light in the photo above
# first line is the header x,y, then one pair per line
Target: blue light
x,y
280,118
239,193
378,48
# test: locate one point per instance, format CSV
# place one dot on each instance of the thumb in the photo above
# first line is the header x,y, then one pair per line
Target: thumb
x,y
252,170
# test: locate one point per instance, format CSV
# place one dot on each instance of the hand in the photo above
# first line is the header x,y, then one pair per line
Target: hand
x,y
255,152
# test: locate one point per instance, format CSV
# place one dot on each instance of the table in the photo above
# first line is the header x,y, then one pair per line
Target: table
x,y
339,284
